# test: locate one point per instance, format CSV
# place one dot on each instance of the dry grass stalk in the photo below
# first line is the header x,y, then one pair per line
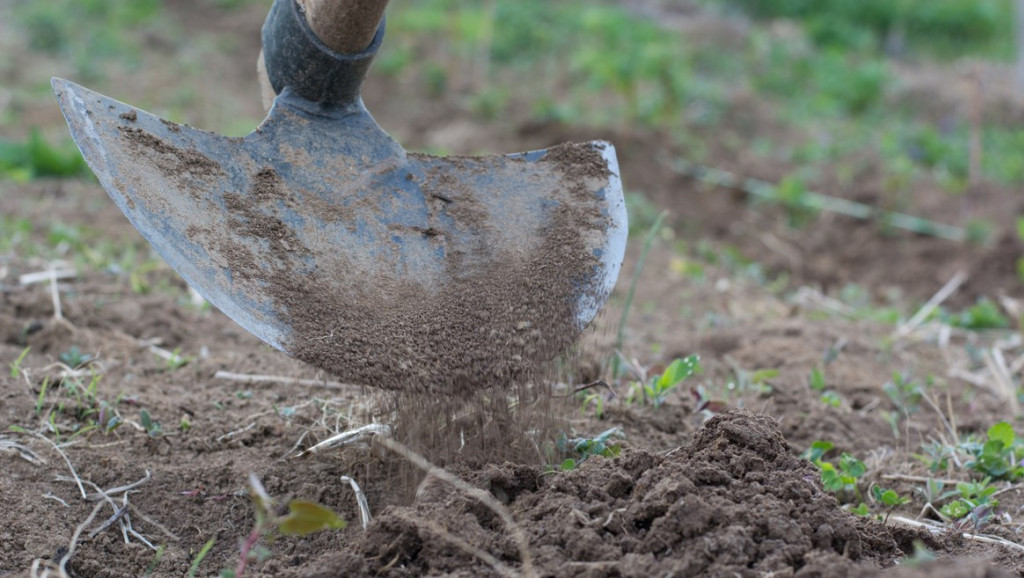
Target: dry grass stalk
x,y
364,505
359,438
940,529
928,308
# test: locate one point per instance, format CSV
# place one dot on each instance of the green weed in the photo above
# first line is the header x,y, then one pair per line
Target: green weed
x,y
152,427
200,556
16,364
980,27
35,158
999,455
303,518
972,496
74,357
985,314
581,449
654,390
88,33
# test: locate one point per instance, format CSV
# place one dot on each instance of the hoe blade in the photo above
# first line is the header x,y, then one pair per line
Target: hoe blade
x,y
319,234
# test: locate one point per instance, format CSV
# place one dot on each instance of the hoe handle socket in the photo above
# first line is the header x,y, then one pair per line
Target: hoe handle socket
x,y
297,59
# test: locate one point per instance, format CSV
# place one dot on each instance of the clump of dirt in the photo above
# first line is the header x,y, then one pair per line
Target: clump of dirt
x,y
734,502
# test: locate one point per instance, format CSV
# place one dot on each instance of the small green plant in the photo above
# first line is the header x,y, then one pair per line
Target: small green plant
x,y
984,314
303,518
655,390
817,379
176,360
16,364
152,427
842,476
74,357
889,499
817,383
817,451
34,158
581,449
905,393
998,456
200,556
975,499
792,194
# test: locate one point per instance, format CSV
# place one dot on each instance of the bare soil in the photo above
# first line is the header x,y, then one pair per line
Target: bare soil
x,y
695,491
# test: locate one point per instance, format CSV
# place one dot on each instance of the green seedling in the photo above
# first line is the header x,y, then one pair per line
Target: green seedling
x,y
595,400
756,380
999,456
582,449
817,383
16,364
176,360
152,427
889,499
303,518
817,379
655,390
74,357
200,556
42,395
936,456
984,314
832,399
817,451
975,503
840,477
35,158
905,393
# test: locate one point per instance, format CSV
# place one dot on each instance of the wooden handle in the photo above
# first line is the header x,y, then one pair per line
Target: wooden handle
x,y
345,26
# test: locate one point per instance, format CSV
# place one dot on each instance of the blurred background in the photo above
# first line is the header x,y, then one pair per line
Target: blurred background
x,y
869,149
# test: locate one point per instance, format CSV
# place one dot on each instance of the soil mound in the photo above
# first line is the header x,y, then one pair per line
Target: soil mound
x,y
735,502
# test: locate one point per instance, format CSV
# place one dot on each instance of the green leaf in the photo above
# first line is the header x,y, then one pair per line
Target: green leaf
x,y
817,450
891,498
956,510
307,517
568,465
817,379
831,398
677,371
852,466
861,510
762,375
1003,432
194,567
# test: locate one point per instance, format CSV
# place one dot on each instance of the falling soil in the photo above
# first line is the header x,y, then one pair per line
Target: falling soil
x,y
490,326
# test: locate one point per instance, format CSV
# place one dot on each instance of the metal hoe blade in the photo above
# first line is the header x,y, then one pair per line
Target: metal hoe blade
x,y
320,204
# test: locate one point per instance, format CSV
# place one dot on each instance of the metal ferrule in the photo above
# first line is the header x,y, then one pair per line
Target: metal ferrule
x,y
298,60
